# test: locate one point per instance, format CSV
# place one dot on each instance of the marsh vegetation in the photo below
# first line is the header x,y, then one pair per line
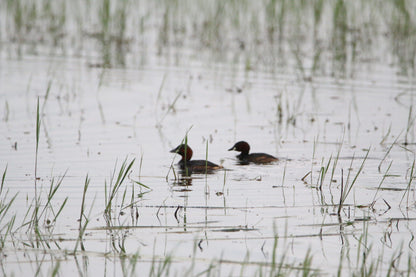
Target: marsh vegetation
x,y
96,93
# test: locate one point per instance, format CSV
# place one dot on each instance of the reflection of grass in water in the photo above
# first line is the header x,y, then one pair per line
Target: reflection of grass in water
x,y
365,262
323,172
403,34
339,36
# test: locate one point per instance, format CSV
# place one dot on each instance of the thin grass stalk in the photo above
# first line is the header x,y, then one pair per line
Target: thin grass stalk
x,y
26,221
382,180
341,262
48,90
407,191
186,153
283,183
334,165
206,158
313,157
345,190
388,151
132,198
324,170
274,256
5,206
342,192
60,209
244,263
171,107
162,84
410,124
349,171
9,227
83,219
84,192
123,199
36,155
223,185
307,263
106,189
206,169
113,189
3,178
140,166
386,135
52,191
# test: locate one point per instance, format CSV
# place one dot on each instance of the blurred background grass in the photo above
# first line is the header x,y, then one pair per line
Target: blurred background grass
x,y
268,34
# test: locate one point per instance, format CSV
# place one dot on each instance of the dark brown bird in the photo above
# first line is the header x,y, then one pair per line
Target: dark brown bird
x,y
193,166
246,158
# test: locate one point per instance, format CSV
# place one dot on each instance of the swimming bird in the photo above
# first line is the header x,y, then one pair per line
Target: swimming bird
x,y
193,166
246,158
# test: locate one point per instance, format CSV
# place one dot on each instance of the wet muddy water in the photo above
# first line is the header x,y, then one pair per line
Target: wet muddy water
x,y
92,118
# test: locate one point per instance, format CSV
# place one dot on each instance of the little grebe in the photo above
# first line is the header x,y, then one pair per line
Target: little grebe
x,y
245,157
194,166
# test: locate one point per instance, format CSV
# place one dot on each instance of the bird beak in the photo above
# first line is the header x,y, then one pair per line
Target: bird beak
x,y
175,150
231,149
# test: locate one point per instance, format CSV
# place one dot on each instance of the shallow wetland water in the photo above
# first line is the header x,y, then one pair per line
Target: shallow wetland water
x,y
91,106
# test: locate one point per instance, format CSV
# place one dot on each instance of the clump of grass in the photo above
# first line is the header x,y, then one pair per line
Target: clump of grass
x,y
323,171
38,210
347,187
5,205
225,178
52,191
112,214
83,218
43,211
112,188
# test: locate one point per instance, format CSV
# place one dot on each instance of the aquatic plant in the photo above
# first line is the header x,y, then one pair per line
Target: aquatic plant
x,y
83,218
347,187
113,186
5,206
